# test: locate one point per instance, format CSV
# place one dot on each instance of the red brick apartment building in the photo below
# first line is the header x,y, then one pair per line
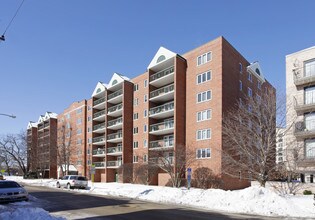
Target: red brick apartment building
x,y
177,105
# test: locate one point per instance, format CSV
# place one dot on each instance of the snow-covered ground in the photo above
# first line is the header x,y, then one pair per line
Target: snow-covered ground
x,y
253,200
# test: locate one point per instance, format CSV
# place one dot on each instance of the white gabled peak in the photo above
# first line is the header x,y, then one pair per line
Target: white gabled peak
x,y
100,87
49,115
116,79
41,119
161,55
32,124
254,68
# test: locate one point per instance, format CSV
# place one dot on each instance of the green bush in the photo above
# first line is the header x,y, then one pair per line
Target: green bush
x,y
307,192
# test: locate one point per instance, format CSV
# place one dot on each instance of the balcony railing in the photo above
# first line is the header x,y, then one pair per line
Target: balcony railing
x,y
305,75
115,108
162,73
305,129
98,114
115,94
100,151
99,164
163,160
114,163
112,150
162,108
162,91
114,136
99,126
115,122
161,144
304,103
99,101
162,126
98,139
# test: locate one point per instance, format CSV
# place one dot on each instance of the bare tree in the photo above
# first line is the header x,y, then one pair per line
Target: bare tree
x,y
249,138
14,148
174,165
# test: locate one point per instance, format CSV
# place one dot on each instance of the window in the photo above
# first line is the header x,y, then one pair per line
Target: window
x,y
135,159
79,131
203,153
309,95
145,98
68,115
249,77
89,118
79,141
145,158
145,113
145,83
203,77
136,87
68,134
204,134
79,110
135,130
204,58
89,129
145,143
249,108
259,85
241,85
309,68
89,162
203,96
241,67
135,144
90,140
204,115
310,148
89,108
79,162
135,116
79,121
135,102
88,152
145,128
68,125
249,92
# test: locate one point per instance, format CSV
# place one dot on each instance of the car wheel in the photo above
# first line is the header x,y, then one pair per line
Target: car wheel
x,y
68,186
58,185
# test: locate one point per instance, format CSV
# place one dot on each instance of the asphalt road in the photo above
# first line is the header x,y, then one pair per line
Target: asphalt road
x,y
71,204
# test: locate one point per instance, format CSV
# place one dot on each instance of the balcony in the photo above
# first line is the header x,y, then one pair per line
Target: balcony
x,y
304,103
99,165
115,138
161,145
115,97
163,161
99,116
163,94
304,129
304,76
99,103
162,111
115,110
40,127
100,128
114,150
165,127
114,164
99,140
163,77
100,152
115,124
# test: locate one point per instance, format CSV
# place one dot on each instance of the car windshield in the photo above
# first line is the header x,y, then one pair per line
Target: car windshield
x,y
4,184
81,178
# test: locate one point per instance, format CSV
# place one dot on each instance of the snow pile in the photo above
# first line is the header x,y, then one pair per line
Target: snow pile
x,y
253,200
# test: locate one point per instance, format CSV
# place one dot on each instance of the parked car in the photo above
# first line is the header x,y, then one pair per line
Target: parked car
x,y
11,191
72,181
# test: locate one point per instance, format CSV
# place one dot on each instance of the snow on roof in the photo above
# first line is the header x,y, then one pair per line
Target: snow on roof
x,y
32,124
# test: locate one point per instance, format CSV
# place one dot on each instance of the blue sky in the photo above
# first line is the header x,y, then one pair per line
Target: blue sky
x,y
56,51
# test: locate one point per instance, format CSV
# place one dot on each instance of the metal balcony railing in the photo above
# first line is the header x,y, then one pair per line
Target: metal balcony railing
x,y
115,94
98,114
117,149
99,151
162,91
99,164
99,101
115,108
161,143
162,108
98,139
114,136
99,126
114,163
162,73
304,75
115,122
162,126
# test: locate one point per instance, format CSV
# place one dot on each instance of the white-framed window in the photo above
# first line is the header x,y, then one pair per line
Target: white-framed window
x,y
145,98
79,141
203,153
79,131
89,108
136,102
68,116
204,77
145,113
135,130
204,134
145,143
203,96
89,140
135,87
79,121
145,83
135,144
68,125
79,110
241,85
135,116
249,92
89,129
89,118
309,68
310,148
145,158
259,85
249,77
135,159
258,98
240,67
144,128
204,58
204,115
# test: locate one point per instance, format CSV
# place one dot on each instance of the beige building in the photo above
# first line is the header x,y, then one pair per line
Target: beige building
x,y
300,92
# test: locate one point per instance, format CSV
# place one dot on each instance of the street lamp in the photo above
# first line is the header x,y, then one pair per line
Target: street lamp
x,y
11,116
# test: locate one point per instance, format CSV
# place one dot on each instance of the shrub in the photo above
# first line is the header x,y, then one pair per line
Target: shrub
x,y
204,178
307,192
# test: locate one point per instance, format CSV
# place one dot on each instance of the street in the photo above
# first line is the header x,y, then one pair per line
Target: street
x,y
74,205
